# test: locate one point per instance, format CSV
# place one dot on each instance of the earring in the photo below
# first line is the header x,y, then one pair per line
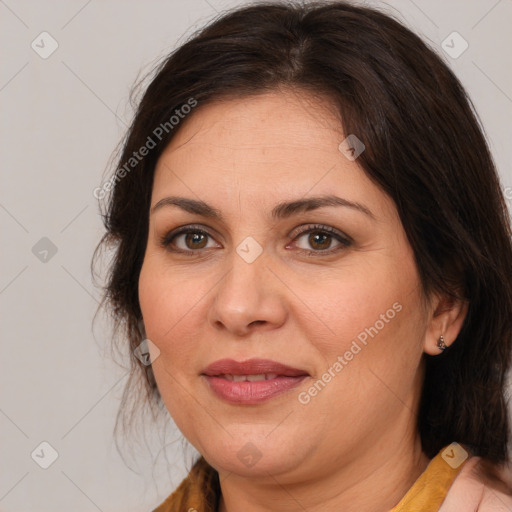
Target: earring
x,y
441,344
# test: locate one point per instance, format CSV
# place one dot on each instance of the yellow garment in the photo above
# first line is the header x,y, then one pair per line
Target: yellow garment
x,y
430,489
200,491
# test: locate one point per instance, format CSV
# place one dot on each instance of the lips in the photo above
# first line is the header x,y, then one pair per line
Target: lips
x,y
251,367
252,381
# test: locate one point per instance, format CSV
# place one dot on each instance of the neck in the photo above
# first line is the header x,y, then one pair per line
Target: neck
x,y
374,482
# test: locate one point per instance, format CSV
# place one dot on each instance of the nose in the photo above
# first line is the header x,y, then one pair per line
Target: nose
x,y
248,298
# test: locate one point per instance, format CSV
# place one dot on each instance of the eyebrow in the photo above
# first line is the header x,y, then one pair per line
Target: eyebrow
x,y
280,211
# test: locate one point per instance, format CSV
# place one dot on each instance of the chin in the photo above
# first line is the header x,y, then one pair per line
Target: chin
x,y
250,458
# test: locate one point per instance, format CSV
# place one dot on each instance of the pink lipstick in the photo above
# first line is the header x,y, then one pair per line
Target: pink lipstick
x,y
253,381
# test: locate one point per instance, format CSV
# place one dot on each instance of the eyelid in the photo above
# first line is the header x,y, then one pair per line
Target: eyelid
x,y
166,239
301,230
342,238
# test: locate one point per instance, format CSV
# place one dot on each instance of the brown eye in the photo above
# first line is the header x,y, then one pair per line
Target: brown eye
x,y
187,240
321,239
195,240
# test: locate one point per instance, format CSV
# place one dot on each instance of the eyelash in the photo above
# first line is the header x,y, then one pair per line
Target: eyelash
x,y
344,240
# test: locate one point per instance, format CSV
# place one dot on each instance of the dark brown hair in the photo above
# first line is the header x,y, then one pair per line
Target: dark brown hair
x,y
424,148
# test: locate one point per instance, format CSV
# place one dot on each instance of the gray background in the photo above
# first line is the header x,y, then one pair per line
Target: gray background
x,y
61,119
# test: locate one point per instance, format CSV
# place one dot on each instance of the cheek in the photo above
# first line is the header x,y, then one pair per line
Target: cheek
x,y
371,351
173,305
167,309
372,317
351,304
164,304
154,296
166,297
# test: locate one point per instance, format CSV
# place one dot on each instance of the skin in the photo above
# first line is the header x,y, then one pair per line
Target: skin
x,y
354,446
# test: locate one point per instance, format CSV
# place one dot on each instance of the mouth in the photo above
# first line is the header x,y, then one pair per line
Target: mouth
x,y
249,378
253,381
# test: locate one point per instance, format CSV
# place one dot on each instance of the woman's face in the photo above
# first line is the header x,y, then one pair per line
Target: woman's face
x,y
267,267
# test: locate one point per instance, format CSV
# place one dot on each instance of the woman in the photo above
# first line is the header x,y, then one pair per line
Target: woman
x,y
312,242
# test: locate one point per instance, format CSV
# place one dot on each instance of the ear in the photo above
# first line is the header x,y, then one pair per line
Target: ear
x,y
447,316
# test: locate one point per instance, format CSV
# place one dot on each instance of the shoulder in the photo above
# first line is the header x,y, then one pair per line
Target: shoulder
x,y
480,487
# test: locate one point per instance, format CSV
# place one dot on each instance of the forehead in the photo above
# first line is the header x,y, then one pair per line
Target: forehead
x,y
279,144
254,130
263,115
